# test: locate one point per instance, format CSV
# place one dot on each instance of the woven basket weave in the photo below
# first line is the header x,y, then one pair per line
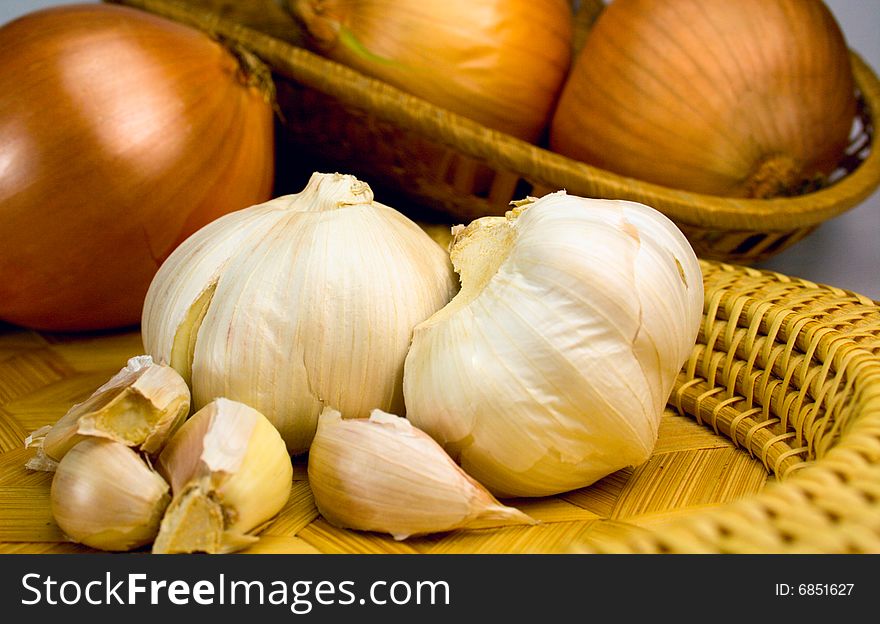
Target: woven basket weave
x,y
339,119
770,444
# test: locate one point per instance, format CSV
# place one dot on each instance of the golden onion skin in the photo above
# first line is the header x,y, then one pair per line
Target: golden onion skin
x,y
753,98
501,63
121,133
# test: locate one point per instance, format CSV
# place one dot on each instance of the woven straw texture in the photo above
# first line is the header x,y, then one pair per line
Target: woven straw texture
x,y
770,443
338,119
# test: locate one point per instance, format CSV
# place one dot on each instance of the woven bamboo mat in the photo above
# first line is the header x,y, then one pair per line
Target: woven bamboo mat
x,y
42,375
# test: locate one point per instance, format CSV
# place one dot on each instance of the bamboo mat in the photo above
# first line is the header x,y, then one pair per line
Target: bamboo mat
x,y
42,375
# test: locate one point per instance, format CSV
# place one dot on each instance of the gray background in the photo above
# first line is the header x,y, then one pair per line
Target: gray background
x,y
844,251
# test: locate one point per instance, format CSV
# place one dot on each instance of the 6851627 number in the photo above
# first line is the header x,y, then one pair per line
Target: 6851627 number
x,y
825,589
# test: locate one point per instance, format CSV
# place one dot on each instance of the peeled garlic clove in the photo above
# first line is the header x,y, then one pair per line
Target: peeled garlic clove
x,y
230,474
105,496
140,406
382,474
142,410
552,366
306,300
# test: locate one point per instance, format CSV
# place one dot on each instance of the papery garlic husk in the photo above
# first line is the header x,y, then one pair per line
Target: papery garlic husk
x,y
104,495
382,474
304,301
551,368
229,473
141,406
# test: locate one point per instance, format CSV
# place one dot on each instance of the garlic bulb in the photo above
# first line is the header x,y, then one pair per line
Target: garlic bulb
x,y
140,406
229,473
304,301
382,474
551,368
105,496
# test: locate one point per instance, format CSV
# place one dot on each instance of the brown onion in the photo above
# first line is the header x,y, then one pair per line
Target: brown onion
x,y
749,98
499,62
121,133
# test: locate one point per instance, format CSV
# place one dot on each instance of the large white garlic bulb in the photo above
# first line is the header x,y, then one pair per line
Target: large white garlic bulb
x,y
551,368
305,301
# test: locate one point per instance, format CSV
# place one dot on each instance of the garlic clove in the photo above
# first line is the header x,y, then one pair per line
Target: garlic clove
x,y
668,279
184,344
174,308
382,474
105,496
229,473
140,406
195,522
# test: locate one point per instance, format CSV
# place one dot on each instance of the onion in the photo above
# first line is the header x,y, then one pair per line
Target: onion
x,y
499,62
753,98
121,133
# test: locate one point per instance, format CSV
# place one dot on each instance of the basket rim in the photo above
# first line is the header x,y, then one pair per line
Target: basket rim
x,y
535,163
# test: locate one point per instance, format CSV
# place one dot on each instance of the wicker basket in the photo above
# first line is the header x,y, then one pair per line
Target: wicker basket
x,y
338,119
770,443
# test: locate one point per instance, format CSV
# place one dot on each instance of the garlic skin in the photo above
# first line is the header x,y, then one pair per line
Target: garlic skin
x,y
305,301
230,474
140,406
551,368
105,496
382,474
